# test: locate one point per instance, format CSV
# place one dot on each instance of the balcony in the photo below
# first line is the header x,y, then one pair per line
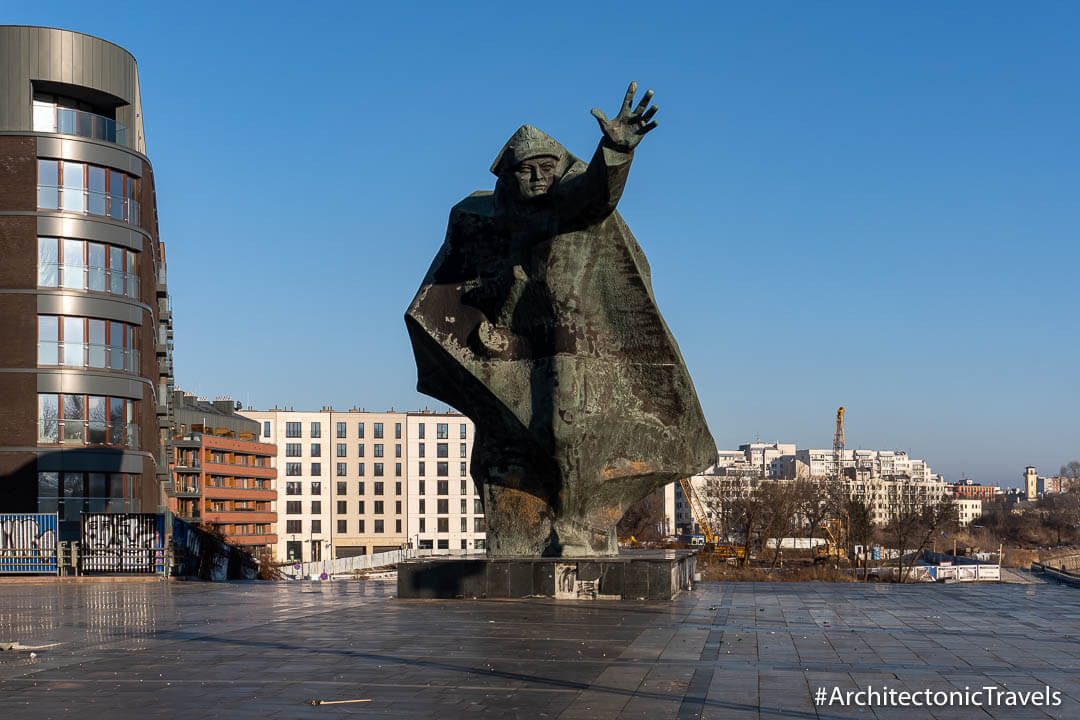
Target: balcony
x,y
88,355
160,285
186,491
88,432
78,199
69,121
88,277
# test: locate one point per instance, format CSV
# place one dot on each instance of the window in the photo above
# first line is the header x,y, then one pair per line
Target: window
x,y
463,471
293,488
378,526
420,450
397,431
360,471
441,431
378,469
377,431
292,429
361,508
442,469
442,450
397,507
420,468
56,113
463,431
316,527
342,470
316,430
377,451
360,430
293,450
443,507
420,431
316,507
378,507
423,506
342,450
360,487
464,491
443,487
86,265
343,526
316,469
292,526
88,189
397,450
442,525
342,507
478,526
316,450
378,487
397,525
292,469
316,488
87,420
420,489
397,488
481,545
464,525
341,430
293,507
464,506
342,488
360,527
266,429
422,527
477,508
397,469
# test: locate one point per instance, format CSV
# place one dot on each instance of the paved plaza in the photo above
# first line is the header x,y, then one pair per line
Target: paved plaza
x,y
727,650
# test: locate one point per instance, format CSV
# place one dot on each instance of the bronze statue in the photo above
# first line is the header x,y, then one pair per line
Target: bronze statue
x,y
537,320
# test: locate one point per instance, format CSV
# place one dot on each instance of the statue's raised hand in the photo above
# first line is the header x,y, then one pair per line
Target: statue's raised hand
x,y
626,129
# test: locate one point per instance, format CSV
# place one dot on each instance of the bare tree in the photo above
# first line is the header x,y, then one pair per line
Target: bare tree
x,y
913,519
779,502
812,503
859,521
745,514
644,519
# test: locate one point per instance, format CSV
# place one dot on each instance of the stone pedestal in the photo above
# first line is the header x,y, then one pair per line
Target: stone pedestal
x,y
632,575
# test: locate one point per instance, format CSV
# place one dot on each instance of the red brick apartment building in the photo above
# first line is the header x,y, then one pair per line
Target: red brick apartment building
x,y
222,476
971,491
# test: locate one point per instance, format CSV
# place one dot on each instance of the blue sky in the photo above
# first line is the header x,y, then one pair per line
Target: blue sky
x,y
855,204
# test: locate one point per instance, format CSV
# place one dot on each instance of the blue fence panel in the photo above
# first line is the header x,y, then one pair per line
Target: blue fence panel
x,y
28,543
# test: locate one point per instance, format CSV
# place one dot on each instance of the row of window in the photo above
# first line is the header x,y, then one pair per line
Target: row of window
x,y
442,450
295,507
294,429
87,189
295,487
87,342
378,527
87,420
443,525
71,493
442,507
86,265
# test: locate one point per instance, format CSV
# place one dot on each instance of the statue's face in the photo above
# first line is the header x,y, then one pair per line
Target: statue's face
x,y
535,176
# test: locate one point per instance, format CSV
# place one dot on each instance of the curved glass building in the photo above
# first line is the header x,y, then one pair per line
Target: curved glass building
x,y
85,322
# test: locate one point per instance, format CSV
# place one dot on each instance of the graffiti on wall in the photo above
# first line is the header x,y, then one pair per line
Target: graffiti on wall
x,y
200,554
28,543
122,542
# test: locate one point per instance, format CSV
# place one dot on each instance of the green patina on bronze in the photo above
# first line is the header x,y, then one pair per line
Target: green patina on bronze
x,y
537,320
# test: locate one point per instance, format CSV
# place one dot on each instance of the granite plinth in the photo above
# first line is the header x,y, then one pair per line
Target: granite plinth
x,y
631,575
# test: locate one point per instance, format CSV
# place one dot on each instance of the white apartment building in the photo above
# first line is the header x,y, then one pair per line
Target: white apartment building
x,y
968,510
358,482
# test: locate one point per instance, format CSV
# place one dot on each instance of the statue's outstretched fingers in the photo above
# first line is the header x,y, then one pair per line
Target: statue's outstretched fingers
x,y
629,99
644,102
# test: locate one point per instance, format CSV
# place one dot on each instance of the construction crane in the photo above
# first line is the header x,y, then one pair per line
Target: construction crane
x,y
838,446
697,510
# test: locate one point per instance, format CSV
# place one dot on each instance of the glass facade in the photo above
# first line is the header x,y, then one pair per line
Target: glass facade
x,y
67,419
85,265
69,494
87,342
87,189
57,114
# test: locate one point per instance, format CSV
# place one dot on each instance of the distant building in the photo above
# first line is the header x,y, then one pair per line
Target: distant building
x,y
969,489
968,510
222,476
358,482
1031,483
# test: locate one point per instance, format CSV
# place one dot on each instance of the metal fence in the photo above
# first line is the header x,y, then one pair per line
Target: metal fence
x,y
122,543
28,543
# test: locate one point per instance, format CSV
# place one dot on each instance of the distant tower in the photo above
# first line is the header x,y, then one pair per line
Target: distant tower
x,y
1031,480
838,444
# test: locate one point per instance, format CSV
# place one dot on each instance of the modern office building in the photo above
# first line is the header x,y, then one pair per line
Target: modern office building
x,y
85,362
223,477
359,482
